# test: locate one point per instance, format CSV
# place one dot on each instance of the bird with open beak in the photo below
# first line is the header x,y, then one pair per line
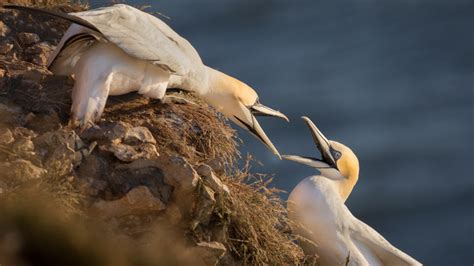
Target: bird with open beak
x,y
316,205
120,49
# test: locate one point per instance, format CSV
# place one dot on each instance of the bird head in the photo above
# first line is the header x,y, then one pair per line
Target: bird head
x,y
334,156
239,103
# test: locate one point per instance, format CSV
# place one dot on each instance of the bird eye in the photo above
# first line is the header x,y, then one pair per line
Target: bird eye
x,y
336,155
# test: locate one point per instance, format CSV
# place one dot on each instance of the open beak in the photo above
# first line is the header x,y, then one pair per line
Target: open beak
x,y
252,125
255,128
309,161
259,109
323,146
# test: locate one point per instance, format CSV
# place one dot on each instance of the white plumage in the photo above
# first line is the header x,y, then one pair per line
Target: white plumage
x,y
120,49
317,206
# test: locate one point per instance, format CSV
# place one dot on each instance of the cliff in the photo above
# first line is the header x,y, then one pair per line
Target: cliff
x,y
152,183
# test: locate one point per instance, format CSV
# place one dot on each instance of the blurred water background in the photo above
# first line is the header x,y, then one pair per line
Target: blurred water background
x,y
391,79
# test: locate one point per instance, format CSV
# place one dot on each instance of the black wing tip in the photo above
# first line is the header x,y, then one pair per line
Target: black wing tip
x,y
12,6
53,13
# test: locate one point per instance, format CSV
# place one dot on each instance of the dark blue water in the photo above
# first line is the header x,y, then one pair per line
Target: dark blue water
x,y
391,79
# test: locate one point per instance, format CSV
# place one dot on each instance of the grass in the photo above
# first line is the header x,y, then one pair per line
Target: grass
x,y
188,127
258,222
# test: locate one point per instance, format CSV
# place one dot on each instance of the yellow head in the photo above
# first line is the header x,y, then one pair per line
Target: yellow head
x,y
348,165
240,103
338,161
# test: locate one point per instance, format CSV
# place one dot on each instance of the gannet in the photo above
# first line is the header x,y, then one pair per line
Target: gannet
x,y
120,49
317,206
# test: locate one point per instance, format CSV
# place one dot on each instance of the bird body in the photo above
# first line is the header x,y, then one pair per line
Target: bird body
x,y
120,49
336,233
121,74
316,205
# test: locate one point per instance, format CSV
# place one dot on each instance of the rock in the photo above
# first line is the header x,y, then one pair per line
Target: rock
x,y
43,122
5,48
107,132
79,144
23,147
4,29
28,38
39,59
33,77
218,166
220,232
172,179
24,132
178,171
90,187
212,180
123,152
82,152
10,114
19,171
138,135
57,149
142,172
210,252
127,153
127,143
204,207
39,53
92,167
173,214
119,132
6,136
41,48
138,201
148,151
61,161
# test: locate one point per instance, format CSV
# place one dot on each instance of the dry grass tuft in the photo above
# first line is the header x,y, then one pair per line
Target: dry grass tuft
x,y
58,191
258,222
184,125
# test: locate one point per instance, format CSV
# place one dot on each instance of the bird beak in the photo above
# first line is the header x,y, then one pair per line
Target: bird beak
x,y
259,109
322,143
254,127
323,146
309,161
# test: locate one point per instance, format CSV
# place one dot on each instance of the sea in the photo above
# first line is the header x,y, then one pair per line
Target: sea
x,y
392,79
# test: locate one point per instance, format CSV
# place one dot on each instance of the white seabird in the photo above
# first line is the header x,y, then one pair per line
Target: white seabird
x,y
316,205
120,49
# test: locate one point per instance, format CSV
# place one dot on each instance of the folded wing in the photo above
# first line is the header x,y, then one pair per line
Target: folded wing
x,y
143,36
364,236
138,33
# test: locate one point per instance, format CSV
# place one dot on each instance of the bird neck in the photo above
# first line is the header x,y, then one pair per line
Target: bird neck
x,y
214,93
221,89
344,181
347,184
